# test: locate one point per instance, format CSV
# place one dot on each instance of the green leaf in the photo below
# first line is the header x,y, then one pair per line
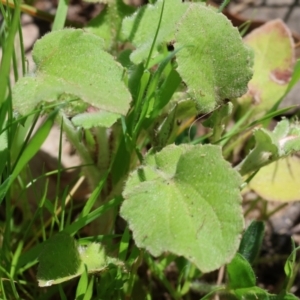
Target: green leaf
x,y
240,273
8,49
167,90
186,200
3,151
62,260
96,119
285,296
282,296
141,27
89,292
251,241
59,259
4,188
290,267
214,62
271,146
82,285
252,293
278,181
272,69
108,23
72,63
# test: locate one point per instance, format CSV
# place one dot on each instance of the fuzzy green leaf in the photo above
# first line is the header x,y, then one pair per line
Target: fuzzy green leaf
x,y
252,240
271,146
252,293
213,61
96,119
108,23
186,200
62,260
59,259
240,273
141,27
72,63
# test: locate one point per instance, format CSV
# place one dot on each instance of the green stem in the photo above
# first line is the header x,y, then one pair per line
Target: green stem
x,y
218,129
92,173
61,15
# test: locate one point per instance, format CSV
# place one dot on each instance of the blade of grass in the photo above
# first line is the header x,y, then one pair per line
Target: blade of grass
x,y
124,244
157,272
256,122
155,36
56,213
89,292
34,12
223,5
82,284
15,258
28,153
30,257
34,144
83,221
93,198
8,53
61,15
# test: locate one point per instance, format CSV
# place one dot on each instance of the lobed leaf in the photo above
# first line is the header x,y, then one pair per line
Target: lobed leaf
x,y
71,62
213,61
186,200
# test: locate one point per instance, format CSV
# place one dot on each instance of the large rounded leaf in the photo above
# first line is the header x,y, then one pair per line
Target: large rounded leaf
x,y
213,61
72,63
186,200
279,181
273,64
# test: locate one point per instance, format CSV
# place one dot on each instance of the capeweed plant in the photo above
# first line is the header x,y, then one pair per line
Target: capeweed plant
x,y
125,85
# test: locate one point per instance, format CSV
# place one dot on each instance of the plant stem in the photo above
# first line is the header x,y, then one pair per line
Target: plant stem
x,y
92,173
61,15
34,12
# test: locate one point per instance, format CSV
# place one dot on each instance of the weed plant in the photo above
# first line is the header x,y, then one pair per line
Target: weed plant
x,y
130,92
